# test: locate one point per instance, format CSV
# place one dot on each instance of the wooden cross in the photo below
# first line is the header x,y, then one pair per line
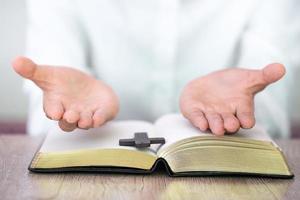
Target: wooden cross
x,y
141,140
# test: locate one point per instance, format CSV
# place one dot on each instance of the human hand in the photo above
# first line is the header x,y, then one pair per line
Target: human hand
x,y
223,101
70,96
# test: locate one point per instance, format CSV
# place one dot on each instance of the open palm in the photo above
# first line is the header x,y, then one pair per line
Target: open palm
x,y
70,96
224,100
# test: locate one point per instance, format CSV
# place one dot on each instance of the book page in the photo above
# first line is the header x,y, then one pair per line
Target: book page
x,y
106,136
174,127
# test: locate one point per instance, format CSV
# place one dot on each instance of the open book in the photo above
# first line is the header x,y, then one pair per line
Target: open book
x,y
187,150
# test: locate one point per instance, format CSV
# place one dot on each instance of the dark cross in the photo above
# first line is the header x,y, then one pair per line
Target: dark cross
x,y
141,140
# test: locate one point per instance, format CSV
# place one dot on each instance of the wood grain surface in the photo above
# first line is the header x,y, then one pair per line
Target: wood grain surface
x,y
16,182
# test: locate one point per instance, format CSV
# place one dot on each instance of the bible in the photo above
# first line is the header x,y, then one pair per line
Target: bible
x,y
187,151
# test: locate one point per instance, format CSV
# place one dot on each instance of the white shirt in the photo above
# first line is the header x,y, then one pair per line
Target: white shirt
x,y
147,50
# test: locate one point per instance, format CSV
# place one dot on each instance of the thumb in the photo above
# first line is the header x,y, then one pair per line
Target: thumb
x,y
30,70
24,67
262,78
273,72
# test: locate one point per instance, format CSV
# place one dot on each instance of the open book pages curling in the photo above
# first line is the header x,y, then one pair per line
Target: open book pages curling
x,y
187,151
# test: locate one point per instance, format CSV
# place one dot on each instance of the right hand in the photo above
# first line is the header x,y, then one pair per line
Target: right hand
x,y
73,98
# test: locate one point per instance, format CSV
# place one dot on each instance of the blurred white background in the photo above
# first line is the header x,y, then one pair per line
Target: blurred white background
x,y
13,103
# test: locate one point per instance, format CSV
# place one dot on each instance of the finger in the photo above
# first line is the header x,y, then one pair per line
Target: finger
x,y
273,72
71,116
65,126
99,118
197,118
85,121
216,123
193,114
30,70
245,114
259,79
231,123
24,67
53,108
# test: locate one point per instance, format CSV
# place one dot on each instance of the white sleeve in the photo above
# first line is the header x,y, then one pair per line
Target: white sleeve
x,y
268,38
55,36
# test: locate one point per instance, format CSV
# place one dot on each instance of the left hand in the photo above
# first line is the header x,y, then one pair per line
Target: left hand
x,y
223,101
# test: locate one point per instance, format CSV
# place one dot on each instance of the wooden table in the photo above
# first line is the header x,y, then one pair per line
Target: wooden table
x,y
16,182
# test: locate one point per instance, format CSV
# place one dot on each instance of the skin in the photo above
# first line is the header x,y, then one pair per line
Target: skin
x,y
73,98
221,101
